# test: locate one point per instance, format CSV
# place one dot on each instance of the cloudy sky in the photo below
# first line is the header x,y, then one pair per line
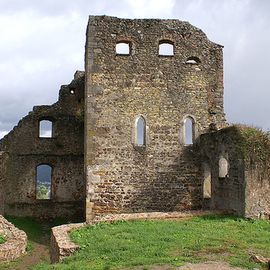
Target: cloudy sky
x,y
42,45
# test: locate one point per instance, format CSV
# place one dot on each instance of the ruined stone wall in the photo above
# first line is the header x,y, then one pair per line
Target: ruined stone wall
x,y
3,158
228,192
246,187
257,192
256,147
15,241
165,175
63,152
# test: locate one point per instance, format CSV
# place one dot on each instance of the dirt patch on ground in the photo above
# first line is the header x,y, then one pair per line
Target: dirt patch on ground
x,y
208,266
190,266
40,253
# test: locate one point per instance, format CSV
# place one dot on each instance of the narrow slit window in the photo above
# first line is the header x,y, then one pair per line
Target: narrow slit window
x,y
223,167
166,48
207,185
122,48
188,131
43,182
140,131
45,129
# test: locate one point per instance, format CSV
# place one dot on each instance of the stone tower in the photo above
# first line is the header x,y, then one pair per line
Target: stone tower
x,y
139,102
141,130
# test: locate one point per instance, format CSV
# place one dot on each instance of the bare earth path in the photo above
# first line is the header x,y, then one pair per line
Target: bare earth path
x,y
40,253
209,266
198,266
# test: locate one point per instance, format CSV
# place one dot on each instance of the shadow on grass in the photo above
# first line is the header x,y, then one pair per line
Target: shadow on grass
x,y
221,218
37,231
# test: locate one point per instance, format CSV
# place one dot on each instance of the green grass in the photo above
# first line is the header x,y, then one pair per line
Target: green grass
x,y
128,244
2,239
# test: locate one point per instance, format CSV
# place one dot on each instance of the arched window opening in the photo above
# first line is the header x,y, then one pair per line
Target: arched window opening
x,y
45,129
166,48
140,131
123,48
43,182
188,131
193,60
207,185
223,167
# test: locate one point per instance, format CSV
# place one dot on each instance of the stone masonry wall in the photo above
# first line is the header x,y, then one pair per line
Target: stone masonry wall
x,y
3,157
15,241
246,188
257,172
228,192
25,150
257,192
165,175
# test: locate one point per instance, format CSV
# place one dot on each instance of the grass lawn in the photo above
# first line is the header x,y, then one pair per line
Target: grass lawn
x,y
125,244
2,239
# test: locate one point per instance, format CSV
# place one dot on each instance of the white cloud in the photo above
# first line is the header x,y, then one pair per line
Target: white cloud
x,y
151,8
42,44
3,133
241,27
38,53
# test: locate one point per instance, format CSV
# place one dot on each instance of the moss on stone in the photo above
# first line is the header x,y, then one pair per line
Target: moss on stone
x,y
2,239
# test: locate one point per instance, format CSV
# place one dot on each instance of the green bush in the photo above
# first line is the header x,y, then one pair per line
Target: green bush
x,y
43,192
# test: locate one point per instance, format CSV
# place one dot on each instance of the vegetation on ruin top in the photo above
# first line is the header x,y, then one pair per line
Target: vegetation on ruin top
x,y
127,244
255,143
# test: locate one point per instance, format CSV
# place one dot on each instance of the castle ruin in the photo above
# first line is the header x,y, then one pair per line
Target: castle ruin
x,y
143,129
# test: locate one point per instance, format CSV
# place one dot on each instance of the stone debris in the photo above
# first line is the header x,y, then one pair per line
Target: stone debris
x,y
260,259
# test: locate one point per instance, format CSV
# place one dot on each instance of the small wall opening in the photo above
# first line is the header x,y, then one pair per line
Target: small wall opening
x,y
43,182
140,131
193,60
188,131
207,182
123,48
166,48
223,167
45,129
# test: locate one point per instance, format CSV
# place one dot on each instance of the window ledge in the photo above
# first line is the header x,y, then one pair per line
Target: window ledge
x,y
165,56
122,54
224,177
139,147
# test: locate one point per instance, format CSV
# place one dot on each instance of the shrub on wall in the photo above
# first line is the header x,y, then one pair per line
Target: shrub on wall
x,y
255,144
2,239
